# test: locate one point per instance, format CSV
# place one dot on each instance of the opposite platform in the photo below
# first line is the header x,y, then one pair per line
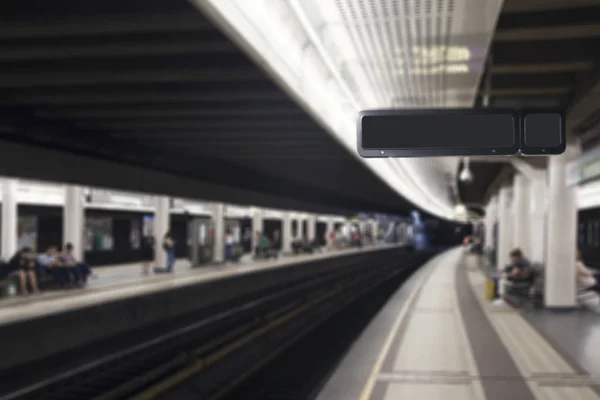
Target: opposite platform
x,y
438,338
128,282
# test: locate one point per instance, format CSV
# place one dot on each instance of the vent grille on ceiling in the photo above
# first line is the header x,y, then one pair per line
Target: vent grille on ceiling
x,y
403,46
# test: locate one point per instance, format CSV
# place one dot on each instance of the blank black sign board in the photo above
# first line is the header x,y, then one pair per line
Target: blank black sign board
x,y
459,132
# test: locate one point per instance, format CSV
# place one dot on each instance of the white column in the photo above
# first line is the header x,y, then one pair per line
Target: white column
x,y
9,218
312,227
162,225
219,239
74,219
505,232
286,233
491,216
537,218
560,282
521,218
257,225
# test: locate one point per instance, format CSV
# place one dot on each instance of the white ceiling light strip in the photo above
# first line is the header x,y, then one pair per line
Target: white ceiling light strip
x,y
416,193
241,21
311,65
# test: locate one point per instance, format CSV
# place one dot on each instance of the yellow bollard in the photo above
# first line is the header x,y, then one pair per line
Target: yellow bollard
x,y
490,290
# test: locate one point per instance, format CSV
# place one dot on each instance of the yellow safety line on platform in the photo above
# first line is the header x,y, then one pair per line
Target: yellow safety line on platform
x,y
370,384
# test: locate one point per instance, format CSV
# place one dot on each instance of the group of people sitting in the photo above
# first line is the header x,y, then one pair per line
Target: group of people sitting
x,y
62,266
520,271
267,248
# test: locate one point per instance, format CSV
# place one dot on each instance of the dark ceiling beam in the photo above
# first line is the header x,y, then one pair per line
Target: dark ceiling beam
x,y
531,92
522,81
76,65
183,111
519,6
528,101
27,80
542,68
544,51
203,125
534,34
96,99
123,49
546,17
103,25
231,133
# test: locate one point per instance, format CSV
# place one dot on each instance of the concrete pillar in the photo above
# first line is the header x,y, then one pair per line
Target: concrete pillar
x,y
286,233
505,232
162,225
560,277
219,239
9,218
312,227
537,218
74,219
257,225
521,217
491,216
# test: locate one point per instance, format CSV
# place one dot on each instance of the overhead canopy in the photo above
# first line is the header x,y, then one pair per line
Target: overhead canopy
x,y
155,85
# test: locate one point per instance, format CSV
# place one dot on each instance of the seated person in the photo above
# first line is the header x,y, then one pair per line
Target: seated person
x,y
518,271
78,271
49,264
24,265
586,278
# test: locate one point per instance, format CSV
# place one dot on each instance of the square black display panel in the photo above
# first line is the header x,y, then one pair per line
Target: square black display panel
x,y
543,132
424,133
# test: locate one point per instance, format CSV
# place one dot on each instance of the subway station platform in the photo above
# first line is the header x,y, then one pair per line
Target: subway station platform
x,y
124,281
438,338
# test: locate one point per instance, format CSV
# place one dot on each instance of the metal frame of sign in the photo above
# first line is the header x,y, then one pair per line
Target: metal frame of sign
x,y
541,151
517,148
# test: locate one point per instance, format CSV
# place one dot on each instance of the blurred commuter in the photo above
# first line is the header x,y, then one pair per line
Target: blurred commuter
x,y
276,244
331,239
78,271
262,246
147,253
50,264
229,245
169,248
519,270
23,264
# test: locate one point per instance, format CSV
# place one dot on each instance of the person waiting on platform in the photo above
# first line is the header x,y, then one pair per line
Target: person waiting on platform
x,y
262,246
79,271
23,264
169,248
275,247
518,271
229,239
147,253
49,263
587,279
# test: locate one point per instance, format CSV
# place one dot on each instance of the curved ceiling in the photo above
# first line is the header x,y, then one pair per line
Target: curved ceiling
x,y
338,57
